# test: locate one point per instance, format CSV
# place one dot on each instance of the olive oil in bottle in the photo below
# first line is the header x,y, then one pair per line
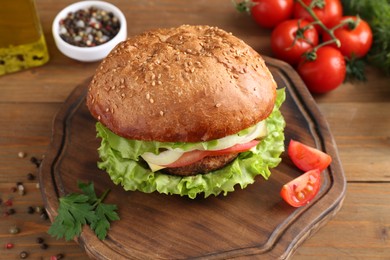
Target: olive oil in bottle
x,y
22,43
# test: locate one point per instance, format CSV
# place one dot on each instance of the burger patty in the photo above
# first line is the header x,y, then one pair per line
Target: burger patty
x,y
207,164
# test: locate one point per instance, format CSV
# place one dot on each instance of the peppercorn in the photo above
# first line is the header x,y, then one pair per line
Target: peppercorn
x,y
23,255
39,240
30,176
38,209
89,27
20,189
11,211
59,256
14,230
44,215
8,203
44,246
21,154
9,245
35,161
30,210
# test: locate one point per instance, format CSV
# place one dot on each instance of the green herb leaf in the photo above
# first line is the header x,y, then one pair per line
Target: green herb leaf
x,y
355,69
76,210
105,213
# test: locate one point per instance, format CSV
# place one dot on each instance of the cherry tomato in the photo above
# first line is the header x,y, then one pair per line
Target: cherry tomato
x,y
307,158
197,155
269,13
326,72
282,40
329,14
355,42
302,189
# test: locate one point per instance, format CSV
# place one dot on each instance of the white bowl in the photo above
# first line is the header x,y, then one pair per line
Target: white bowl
x,y
94,53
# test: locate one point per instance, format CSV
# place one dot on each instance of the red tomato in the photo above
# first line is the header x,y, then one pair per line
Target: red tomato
x,y
354,42
308,158
326,72
269,13
197,155
302,189
282,40
329,14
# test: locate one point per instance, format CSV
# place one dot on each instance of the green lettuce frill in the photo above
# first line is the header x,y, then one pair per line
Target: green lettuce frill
x,y
119,158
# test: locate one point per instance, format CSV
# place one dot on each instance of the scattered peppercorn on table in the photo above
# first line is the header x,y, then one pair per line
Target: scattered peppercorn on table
x,y
357,112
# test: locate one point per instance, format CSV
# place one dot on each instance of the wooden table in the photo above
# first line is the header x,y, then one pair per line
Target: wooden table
x,y
358,115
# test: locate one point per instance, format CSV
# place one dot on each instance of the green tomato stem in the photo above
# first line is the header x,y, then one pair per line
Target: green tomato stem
x,y
321,24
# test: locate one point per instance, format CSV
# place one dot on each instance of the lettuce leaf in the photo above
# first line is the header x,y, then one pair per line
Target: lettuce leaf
x,y
120,159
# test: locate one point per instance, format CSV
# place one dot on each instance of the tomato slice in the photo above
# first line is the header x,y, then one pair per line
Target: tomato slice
x,y
308,158
197,155
302,189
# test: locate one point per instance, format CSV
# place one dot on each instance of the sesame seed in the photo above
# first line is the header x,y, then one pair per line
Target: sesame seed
x,y
218,105
153,76
161,113
235,76
159,82
122,81
192,70
151,100
153,83
99,117
147,96
107,109
123,95
122,86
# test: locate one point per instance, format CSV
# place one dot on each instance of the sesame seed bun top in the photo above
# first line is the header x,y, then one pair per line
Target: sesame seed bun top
x,y
184,84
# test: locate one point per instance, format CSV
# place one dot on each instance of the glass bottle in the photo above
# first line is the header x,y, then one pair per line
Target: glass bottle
x,y
22,43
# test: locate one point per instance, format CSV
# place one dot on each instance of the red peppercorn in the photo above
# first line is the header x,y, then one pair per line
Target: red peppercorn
x,y
8,203
9,245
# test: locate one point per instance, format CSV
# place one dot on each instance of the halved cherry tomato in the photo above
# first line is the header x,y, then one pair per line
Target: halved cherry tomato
x,y
308,158
302,189
197,155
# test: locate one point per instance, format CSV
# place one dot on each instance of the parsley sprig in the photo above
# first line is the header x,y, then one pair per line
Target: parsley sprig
x,y
79,209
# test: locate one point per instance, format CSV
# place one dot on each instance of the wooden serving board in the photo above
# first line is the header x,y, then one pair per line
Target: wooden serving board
x,y
246,223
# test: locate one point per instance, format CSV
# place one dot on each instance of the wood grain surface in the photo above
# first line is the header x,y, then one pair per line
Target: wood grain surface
x,y
357,114
253,222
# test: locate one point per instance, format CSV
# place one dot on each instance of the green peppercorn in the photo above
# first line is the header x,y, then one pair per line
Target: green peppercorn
x,y
14,230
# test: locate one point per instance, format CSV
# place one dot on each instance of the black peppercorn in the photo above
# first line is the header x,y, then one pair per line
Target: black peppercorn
x,y
39,240
30,210
44,246
11,211
44,215
30,176
59,256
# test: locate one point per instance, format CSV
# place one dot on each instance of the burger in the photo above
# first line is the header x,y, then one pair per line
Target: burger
x,y
188,110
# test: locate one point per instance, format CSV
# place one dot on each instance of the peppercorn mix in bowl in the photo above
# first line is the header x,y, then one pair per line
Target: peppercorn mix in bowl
x,y
88,30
